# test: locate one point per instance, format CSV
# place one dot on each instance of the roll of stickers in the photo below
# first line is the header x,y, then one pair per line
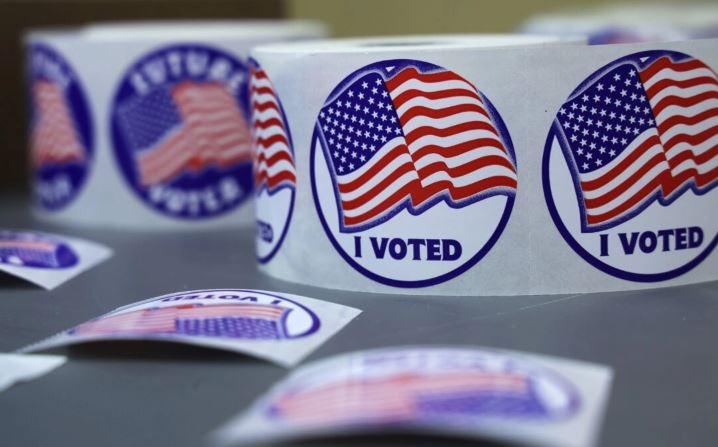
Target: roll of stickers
x,y
486,165
630,23
145,125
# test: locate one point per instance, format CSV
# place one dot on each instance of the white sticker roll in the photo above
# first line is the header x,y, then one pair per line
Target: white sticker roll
x,y
625,23
144,125
486,165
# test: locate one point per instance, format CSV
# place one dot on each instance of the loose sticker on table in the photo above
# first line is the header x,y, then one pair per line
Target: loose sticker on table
x,y
16,368
45,259
401,147
631,165
279,327
274,170
448,390
61,133
180,131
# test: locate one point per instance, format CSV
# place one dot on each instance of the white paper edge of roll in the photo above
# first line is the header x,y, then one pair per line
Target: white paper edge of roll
x,y
172,30
380,44
640,17
201,29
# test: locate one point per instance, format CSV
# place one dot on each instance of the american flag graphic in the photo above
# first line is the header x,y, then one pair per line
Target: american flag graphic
x,y
54,138
408,396
185,127
30,251
247,321
273,160
639,135
410,141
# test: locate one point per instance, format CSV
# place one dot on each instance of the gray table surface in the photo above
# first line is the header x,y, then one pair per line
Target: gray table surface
x,y
661,344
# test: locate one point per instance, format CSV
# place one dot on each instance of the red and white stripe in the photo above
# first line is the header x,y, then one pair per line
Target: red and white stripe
x,y
378,186
681,149
139,321
273,161
388,398
619,187
54,138
213,132
452,140
27,245
232,310
163,319
450,144
684,99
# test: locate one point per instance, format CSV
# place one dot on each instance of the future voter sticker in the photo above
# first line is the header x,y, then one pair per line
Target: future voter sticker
x,y
180,131
233,314
413,172
434,386
61,129
274,170
631,164
26,249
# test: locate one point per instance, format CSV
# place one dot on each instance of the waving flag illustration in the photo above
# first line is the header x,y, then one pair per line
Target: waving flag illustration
x,y
247,321
410,141
273,160
409,396
640,135
54,138
185,127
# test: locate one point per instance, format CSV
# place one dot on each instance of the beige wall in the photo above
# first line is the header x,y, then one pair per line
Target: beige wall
x,y
385,17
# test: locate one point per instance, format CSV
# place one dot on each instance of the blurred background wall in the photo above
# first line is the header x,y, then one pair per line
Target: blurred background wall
x,y
387,17
345,17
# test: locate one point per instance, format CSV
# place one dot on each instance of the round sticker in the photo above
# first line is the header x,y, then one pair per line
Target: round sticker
x,y
180,132
35,250
413,172
275,175
232,313
434,386
61,130
631,163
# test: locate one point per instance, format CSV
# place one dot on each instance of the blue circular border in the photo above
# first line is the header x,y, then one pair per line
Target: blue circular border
x,y
81,118
123,157
264,260
422,66
548,195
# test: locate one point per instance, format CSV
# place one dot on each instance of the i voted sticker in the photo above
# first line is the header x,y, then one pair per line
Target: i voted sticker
x,y
28,249
279,327
61,134
458,391
275,175
180,131
631,162
208,313
413,172
432,385
47,260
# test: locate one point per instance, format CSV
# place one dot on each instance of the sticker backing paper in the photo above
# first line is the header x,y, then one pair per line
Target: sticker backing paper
x,y
16,368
